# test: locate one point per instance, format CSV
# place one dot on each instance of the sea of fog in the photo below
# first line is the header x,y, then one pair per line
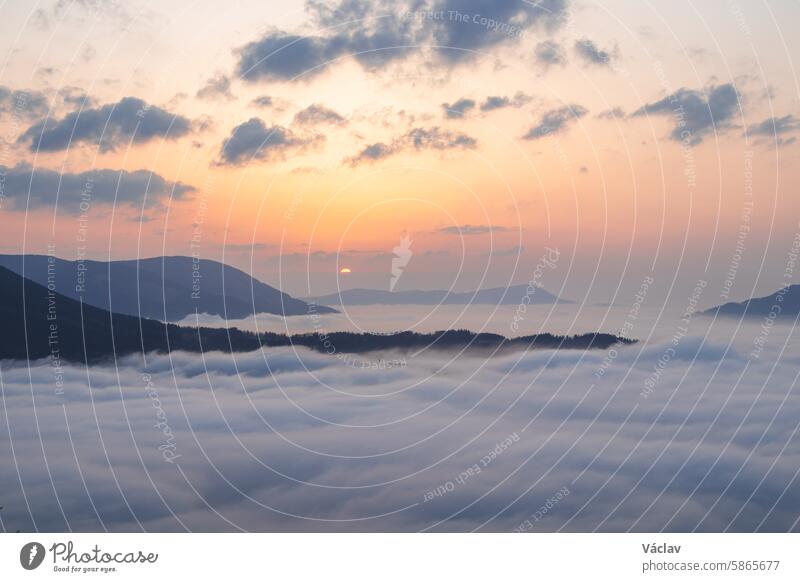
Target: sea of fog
x,y
694,428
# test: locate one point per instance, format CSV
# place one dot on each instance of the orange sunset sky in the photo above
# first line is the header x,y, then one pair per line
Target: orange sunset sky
x,y
293,139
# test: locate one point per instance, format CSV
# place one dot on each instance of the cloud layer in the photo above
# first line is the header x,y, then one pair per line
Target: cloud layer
x,y
284,441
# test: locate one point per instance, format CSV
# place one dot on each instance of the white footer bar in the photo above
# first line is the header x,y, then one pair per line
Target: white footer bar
x,y
406,557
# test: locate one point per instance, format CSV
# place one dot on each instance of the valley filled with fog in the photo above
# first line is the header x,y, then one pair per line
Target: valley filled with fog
x,y
692,428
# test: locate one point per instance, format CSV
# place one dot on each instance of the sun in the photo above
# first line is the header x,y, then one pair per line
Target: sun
x,y
345,270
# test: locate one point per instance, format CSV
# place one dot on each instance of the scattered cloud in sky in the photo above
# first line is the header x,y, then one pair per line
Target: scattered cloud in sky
x,y
494,102
263,101
218,86
254,140
435,138
613,113
317,114
418,139
398,31
131,120
696,114
459,108
548,53
474,35
777,128
373,152
33,188
75,98
284,57
555,121
594,55
23,103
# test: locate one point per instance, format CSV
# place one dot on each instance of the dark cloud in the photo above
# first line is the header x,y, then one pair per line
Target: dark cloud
x,y
379,32
549,53
317,114
776,128
555,121
263,101
473,34
217,86
253,139
371,153
285,57
470,229
613,113
22,103
500,102
28,187
433,138
592,54
108,127
696,113
458,109
495,102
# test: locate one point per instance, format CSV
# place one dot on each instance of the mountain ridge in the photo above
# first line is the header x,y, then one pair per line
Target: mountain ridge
x,y
167,288
787,300
40,323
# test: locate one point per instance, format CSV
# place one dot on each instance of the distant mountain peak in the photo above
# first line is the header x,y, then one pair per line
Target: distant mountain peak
x,y
784,304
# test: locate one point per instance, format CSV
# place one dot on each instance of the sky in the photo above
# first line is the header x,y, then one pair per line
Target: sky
x,y
295,139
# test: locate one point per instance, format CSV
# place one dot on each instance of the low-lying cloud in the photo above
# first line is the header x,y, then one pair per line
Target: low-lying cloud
x,y
285,440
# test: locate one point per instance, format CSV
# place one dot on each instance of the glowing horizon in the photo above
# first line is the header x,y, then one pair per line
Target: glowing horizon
x,y
563,132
